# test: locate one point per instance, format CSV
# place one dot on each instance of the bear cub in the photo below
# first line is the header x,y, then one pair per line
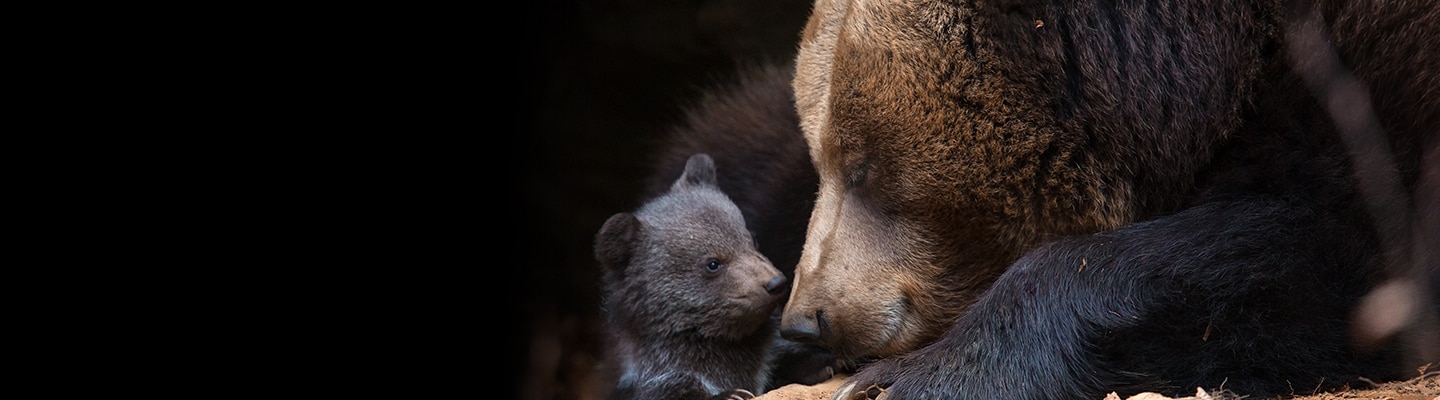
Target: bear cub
x,y
689,302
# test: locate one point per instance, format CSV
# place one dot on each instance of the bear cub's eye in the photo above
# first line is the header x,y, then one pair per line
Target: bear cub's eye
x,y
713,265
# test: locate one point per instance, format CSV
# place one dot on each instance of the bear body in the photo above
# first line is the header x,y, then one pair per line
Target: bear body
x,y
690,303
749,127
1055,200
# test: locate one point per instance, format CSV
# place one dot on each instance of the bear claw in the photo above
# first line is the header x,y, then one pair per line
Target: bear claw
x,y
741,394
872,392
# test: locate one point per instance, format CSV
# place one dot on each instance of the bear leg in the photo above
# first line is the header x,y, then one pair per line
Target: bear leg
x,y
1249,295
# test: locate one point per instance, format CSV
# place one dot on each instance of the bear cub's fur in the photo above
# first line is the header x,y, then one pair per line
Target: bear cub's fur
x,y
689,301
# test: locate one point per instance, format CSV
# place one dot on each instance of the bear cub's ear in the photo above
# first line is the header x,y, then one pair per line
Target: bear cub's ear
x,y
616,241
699,170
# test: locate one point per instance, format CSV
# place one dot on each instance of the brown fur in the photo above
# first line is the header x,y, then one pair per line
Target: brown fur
x,y
947,145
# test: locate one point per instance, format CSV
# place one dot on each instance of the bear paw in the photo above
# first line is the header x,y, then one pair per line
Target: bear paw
x,y
737,394
871,383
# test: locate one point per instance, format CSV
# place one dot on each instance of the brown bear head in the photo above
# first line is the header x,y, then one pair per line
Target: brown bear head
x,y
950,137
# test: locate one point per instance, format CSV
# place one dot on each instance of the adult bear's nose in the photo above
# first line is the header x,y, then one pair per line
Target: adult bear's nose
x,y
776,285
803,327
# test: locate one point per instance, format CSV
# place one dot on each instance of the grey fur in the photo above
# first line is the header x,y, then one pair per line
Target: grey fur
x,y
678,327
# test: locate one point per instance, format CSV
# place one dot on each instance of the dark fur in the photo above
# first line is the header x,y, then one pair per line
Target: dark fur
x,y
1128,196
749,127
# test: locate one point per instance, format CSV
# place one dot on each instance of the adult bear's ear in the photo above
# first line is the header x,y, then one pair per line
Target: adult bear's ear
x,y
699,170
615,243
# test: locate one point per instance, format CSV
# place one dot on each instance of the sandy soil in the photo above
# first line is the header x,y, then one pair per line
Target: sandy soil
x,y
820,391
1424,387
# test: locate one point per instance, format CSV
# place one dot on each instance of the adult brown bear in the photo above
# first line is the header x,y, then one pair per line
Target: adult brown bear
x,y
1058,199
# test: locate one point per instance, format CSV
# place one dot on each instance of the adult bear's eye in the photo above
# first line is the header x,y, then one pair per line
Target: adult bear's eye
x,y
857,174
713,265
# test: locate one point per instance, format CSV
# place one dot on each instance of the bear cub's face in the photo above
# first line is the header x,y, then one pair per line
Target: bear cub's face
x,y
685,262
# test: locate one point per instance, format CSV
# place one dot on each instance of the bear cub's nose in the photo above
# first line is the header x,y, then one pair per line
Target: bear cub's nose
x,y
775,285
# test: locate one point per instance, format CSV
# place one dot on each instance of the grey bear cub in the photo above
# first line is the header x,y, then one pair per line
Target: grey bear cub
x,y
688,299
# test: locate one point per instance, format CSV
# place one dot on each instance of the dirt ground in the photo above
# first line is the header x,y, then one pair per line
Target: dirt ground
x,y
1422,387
